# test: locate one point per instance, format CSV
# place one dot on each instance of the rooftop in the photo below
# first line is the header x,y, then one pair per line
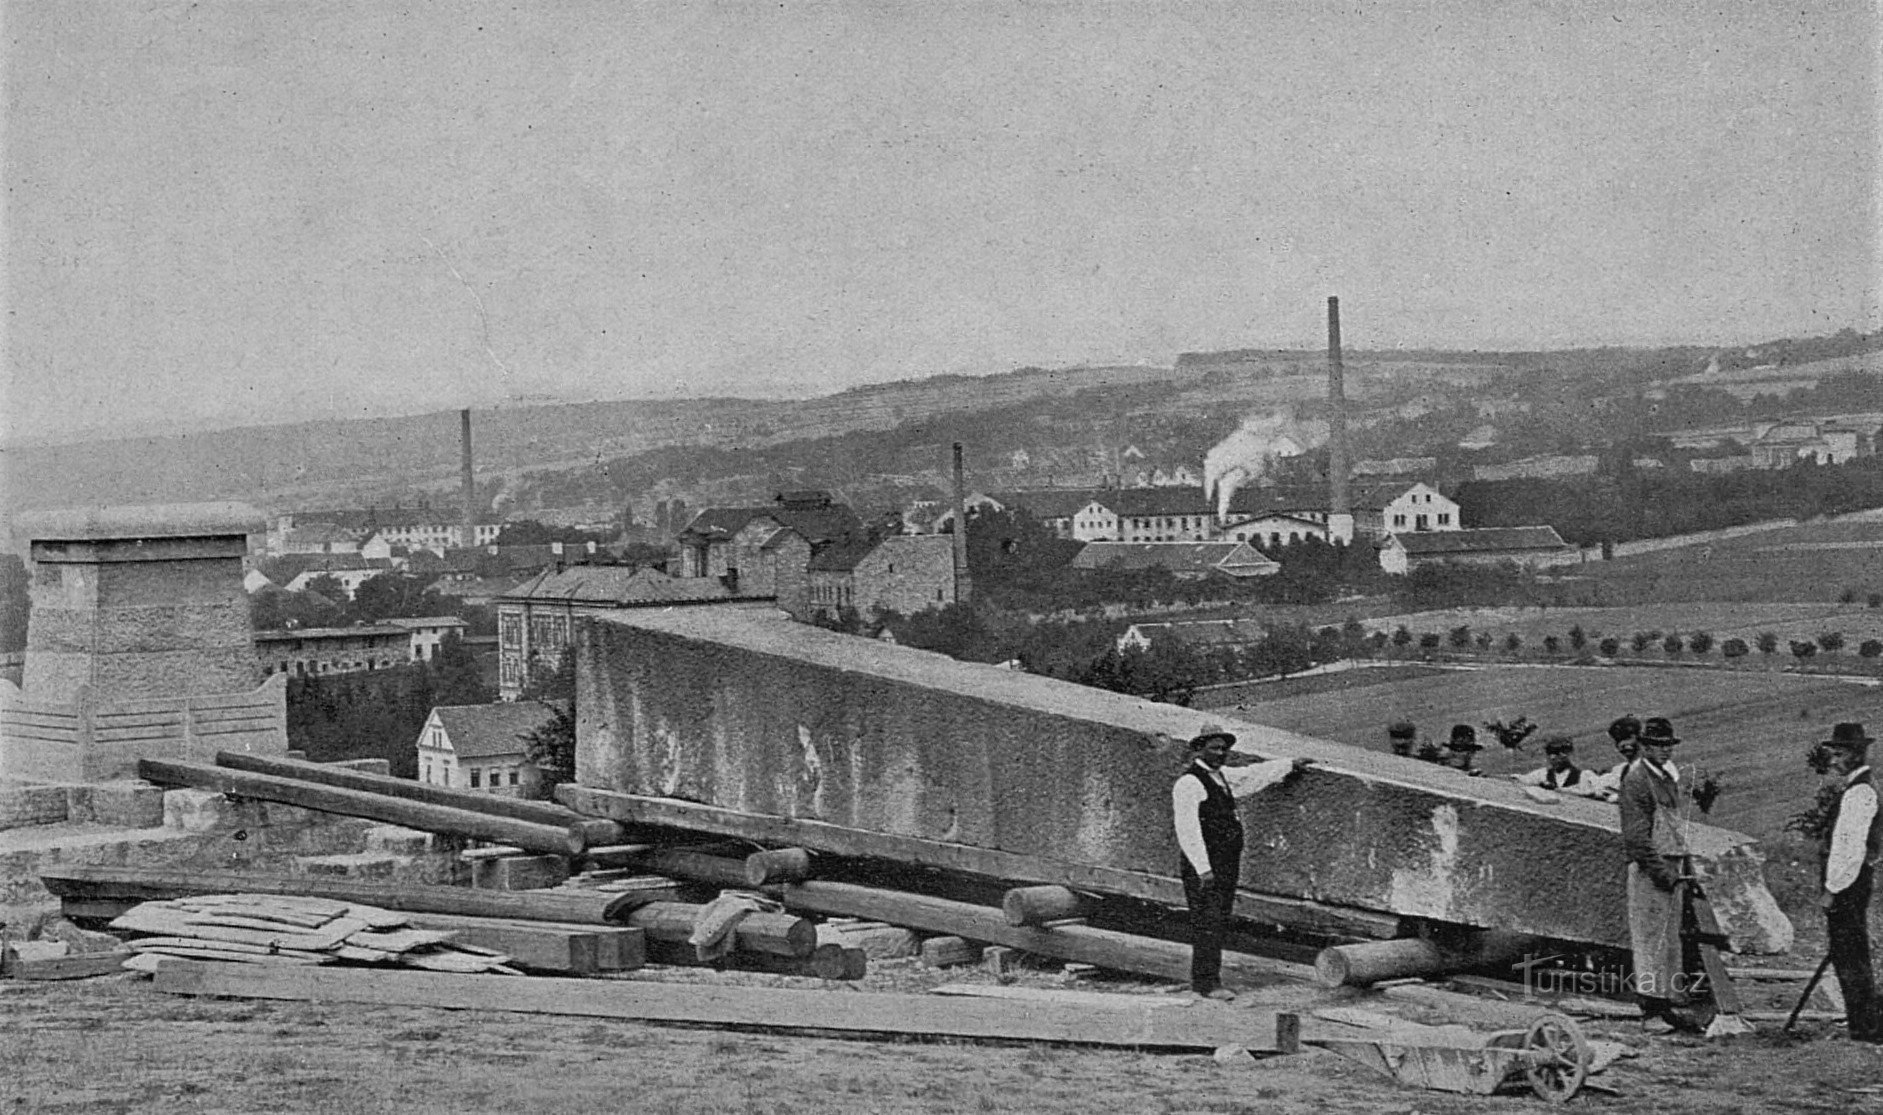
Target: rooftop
x,y
482,731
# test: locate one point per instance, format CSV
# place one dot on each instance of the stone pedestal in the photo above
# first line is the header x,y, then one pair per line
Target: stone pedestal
x,y
139,602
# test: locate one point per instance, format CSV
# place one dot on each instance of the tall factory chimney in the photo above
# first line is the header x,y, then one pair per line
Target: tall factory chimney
x,y
1339,503
467,484
964,585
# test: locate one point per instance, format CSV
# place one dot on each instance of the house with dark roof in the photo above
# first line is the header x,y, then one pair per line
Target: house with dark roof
x,y
1525,546
428,633
1189,560
319,651
1273,531
1208,634
906,573
536,619
479,747
706,545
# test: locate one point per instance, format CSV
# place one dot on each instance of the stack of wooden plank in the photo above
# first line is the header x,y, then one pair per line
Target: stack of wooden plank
x,y
294,930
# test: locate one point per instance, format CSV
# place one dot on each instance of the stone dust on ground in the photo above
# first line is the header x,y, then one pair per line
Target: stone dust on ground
x,y
115,1044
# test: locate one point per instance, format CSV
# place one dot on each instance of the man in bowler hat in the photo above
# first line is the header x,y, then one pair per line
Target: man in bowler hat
x,y
1850,855
1209,833
1653,834
1461,750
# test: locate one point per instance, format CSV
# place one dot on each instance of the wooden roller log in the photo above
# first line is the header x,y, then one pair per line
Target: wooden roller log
x,y
1039,905
757,932
531,836
1370,962
595,831
832,962
782,865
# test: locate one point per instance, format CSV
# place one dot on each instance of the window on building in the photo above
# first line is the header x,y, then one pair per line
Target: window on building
x,y
1444,518
1399,520
513,776
476,775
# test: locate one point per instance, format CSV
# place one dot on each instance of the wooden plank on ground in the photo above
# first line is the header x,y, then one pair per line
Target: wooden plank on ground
x,y
1204,1025
546,945
1058,996
821,836
79,966
71,881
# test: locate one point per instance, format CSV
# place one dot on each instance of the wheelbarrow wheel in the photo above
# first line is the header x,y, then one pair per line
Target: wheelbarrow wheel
x,y
1558,1057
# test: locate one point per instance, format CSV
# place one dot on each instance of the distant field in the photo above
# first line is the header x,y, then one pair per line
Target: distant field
x,y
1813,561
1748,728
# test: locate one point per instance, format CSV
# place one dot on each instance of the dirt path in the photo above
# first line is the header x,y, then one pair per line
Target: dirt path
x,y
117,1045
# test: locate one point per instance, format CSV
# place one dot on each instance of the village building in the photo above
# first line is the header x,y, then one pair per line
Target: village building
x,y
1188,560
479,747
706,547
898,573
320,651
1273,531
429,632
536,619
1196,633
349,570
1526,546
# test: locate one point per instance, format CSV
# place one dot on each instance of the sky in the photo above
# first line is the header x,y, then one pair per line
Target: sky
x,y
232,212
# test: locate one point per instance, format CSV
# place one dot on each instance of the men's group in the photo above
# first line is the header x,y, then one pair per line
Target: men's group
x,y
1460,750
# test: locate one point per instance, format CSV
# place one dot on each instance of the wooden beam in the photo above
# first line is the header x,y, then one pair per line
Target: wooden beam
x,y
70,881
528,835
1297,914
781,865
595,831
1039,905
1106,948
757,932
1199,1025
547,946
78,966
834,962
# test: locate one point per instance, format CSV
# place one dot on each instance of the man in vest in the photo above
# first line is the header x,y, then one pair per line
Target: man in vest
x,y
1850,854
1209,833
1654,838
1560,772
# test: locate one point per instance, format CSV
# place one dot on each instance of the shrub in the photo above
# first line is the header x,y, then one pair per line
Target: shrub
x,y
1640,640
1802,648
1875,600
1735,648
1766,642
1610,647
1578,638
1870,648
1671,644
1848,596
1402,637
1830,642
1460,636
1699,642
1429,640
1484,640
1513,642
1552,645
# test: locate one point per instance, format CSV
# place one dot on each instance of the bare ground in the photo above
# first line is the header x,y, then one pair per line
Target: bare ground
x,y
116,1044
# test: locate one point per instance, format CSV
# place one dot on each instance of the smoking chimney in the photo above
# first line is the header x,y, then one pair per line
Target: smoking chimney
x,y
1339,504
466,484
964,587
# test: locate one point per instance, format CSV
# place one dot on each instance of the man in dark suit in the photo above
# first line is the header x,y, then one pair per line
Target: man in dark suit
x,y
1209,833
1850,854
1653,834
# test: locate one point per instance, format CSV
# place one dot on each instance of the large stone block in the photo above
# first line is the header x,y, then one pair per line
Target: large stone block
x,y
752,712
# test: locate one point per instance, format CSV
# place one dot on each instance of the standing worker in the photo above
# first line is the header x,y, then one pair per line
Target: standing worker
x,y
1849,855
1209,833
1625,732
1654,838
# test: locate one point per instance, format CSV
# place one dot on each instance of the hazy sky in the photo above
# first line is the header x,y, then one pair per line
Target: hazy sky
x,y
247,211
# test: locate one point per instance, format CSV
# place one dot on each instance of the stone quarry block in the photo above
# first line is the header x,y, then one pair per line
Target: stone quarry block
x,y
750,711
369,766
128,804
22,805
519,872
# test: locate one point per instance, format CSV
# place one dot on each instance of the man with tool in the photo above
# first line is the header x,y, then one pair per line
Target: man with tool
x,y
1209,833
1850,853
1654,839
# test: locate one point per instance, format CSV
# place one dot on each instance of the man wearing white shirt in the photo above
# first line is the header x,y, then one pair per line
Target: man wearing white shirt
x,y
1209,834
1849,857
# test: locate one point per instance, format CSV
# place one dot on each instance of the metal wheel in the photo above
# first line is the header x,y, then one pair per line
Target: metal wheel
x,y
1558,1057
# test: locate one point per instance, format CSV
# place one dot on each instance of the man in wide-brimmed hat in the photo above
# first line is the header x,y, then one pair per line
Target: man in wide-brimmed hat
x,y
1402,736
1209,834
1461,750
1653,834
1850,853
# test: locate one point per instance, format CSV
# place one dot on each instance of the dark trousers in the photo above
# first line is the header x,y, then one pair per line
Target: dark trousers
x,y
1209,918
1848,924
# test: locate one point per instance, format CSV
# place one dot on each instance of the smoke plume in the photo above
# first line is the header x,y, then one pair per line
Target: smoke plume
x,y
1250,453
